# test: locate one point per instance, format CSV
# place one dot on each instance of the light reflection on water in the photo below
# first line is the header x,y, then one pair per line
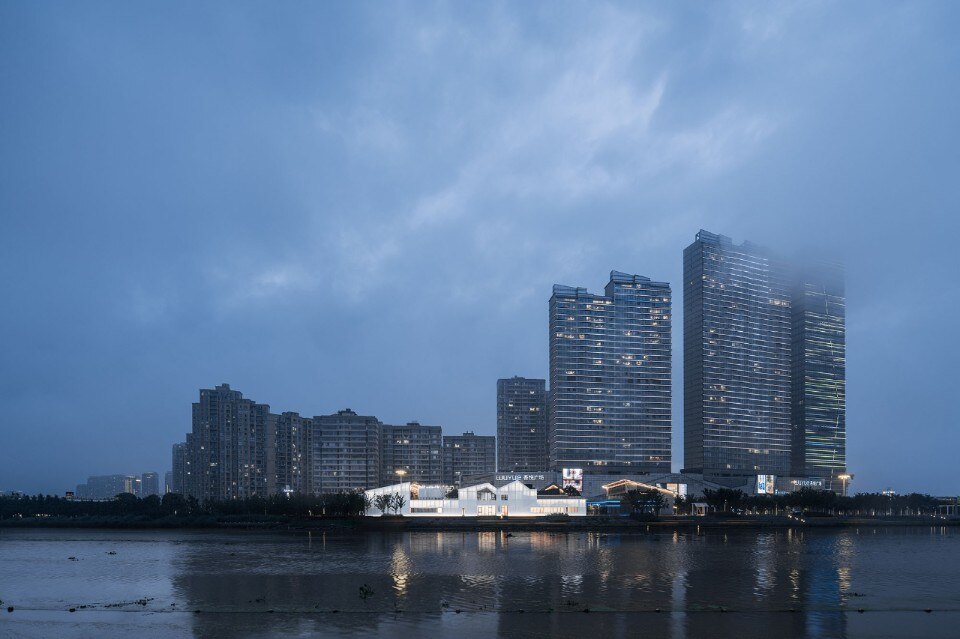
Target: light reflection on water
x,y
533,584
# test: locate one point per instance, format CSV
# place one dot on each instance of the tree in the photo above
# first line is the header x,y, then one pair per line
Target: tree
x,y
681,505
656,501
383,502
127,503
398,501
723,498
642,501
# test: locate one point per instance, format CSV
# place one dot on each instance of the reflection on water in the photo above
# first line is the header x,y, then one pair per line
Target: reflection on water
x,y
541,584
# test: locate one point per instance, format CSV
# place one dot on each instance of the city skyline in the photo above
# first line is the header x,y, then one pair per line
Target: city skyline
x,y
764,394
631,321
375,221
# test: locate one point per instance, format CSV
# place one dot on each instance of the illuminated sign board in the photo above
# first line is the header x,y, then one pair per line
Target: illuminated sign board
x,y
766,484
573,477
807,483
520,477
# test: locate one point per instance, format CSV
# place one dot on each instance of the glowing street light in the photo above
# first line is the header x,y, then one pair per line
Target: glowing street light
x,y
400,473
844,478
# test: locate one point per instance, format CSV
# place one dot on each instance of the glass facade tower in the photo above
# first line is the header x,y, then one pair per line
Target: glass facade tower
x,y
522,425
819,373
610,375
737,352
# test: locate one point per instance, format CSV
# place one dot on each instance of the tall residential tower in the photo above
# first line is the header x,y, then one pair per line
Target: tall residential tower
x,y
610,368
228,447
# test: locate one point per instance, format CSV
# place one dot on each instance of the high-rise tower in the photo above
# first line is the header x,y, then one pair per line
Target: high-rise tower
x,y
228,446
736,357
610,368
818,368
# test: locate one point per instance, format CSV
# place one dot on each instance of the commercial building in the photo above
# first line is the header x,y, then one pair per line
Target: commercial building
x,y
610,377
818,399
482,500
522,442
346,452
411,452
736,342
468,454
228,446
594,486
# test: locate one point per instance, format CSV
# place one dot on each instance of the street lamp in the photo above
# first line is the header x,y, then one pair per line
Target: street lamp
x,y
844,478
400,473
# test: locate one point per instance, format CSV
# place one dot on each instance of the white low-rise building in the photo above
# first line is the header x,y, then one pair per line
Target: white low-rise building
x,y
481,500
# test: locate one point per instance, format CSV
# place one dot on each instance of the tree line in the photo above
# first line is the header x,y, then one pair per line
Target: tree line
x,y
172,506
811,500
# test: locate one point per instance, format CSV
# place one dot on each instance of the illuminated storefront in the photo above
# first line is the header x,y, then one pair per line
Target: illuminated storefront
x,y
481,500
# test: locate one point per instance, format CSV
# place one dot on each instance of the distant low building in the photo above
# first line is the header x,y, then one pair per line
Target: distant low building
x,y
149,484
109,486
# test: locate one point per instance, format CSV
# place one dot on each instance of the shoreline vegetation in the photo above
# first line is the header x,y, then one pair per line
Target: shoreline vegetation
x,y
590,523
343,512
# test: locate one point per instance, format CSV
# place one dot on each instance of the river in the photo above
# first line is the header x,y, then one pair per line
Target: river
x,y
764,584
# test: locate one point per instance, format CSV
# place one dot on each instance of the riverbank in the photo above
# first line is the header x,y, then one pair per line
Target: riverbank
x,y
464,524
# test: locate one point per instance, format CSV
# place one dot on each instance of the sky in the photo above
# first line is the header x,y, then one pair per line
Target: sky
x,y
365,205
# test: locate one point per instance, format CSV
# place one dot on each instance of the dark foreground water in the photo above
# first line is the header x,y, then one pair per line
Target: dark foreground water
x,y
738,584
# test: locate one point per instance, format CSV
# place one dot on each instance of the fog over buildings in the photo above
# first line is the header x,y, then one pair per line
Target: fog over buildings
x,y
368,206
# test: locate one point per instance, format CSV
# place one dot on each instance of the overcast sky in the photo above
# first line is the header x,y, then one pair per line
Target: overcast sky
x,y
365,204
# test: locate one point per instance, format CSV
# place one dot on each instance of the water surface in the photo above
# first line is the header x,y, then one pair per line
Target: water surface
x,y
480,584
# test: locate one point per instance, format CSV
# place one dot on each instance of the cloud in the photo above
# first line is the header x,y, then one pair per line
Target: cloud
x,y
575,124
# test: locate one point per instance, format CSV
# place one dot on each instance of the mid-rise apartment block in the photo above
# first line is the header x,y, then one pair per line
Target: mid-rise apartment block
x,y
411,452
522,442
291,454
346,452
468,454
